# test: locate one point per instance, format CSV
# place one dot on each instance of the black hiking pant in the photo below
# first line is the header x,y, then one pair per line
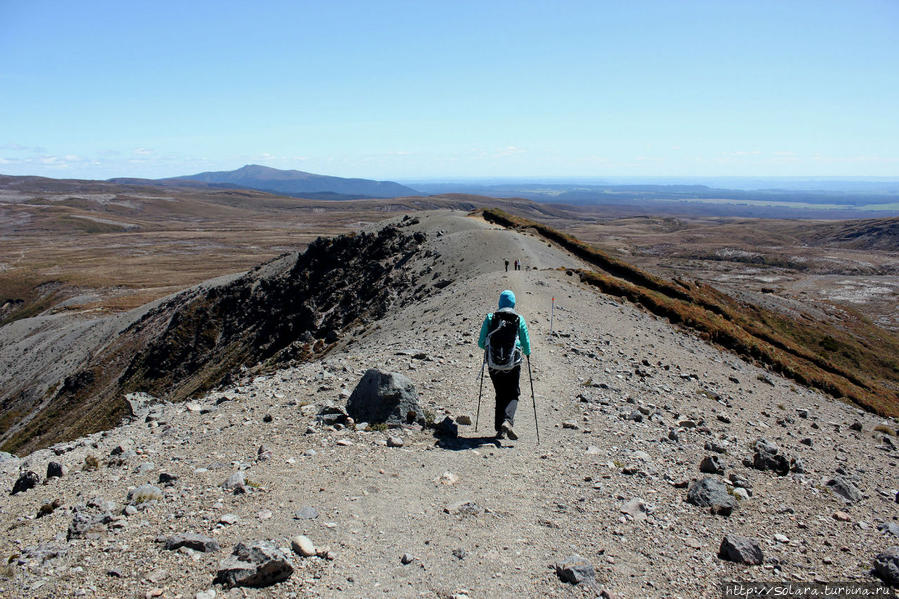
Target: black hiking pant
x,y
505,383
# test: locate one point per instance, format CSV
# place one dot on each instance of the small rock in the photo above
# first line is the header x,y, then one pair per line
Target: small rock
x,y
27,480
448,428
447,478
302,545
856,426
54,470
842,516
228,519
742,550
465,508
711,493
570,424
886,566
576,570
167,479
407,559
207,594
711,465
889,528
635,508
459,553
845,489
463,419
193,541
344,442
254,564
394,441
236,483
144,494
306,513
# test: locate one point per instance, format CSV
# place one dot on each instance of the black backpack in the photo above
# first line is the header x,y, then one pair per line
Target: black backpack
x,y
502,350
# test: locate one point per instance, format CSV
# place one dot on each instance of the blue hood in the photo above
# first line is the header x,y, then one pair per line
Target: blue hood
x,y
506,299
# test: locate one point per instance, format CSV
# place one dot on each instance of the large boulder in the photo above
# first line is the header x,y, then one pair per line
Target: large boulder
x,y
711,493
254,564
387,397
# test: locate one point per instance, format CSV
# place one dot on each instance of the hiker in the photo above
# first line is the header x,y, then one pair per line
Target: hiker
x,y
504,338
507,265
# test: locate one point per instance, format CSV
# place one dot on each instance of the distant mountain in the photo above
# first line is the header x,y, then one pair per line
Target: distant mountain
x,y
290,182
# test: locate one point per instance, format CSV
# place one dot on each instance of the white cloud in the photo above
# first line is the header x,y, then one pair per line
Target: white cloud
x,y
143,151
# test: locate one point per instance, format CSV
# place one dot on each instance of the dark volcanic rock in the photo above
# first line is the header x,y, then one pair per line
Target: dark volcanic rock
x,y
576,570
711,493
27,480
844,489
886,566
711,465
387,397
742,550
192,541
54,470
768,457
290,308
254,564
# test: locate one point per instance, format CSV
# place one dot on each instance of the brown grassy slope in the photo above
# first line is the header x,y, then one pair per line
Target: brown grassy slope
x,y
857,362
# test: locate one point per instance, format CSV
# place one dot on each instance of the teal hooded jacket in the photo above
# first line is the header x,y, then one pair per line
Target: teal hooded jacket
x,y
507,303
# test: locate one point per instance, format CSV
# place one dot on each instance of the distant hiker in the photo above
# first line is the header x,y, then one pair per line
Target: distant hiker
x,y
507,266
517,264
504,338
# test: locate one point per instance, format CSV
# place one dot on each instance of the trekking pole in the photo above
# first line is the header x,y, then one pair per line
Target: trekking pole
x,y
533,399
481,390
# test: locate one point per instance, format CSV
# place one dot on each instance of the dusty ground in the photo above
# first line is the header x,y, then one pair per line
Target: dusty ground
x,y
538,503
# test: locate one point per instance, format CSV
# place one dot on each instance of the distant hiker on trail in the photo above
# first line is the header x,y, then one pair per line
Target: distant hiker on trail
x,y
507,266
504,338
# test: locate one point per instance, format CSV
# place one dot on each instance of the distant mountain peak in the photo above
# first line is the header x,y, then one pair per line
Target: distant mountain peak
x,y
294,182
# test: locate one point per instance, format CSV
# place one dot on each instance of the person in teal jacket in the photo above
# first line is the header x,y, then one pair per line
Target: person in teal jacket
x,y
505,382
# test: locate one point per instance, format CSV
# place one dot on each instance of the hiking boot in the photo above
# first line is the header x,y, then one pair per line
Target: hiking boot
x,y
500,435
507,428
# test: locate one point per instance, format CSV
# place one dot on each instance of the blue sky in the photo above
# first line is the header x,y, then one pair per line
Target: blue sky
x,y
413,90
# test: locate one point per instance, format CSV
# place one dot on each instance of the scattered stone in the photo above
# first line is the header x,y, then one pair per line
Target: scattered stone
x,y
576,570
236,483
407,559
842,516
464,508
889,528
263,454
845,489
447,478
807,442
768,457
711,465
254,564
306,513
302,545
856,426
193,541
570,424
54,470
344,442
48,508
229,519
460,553
144,494
741,493
394,441
27,480
463,419
387,397
207,594
167,479
114,573
635,508
886,566
711,493
741,550
448,428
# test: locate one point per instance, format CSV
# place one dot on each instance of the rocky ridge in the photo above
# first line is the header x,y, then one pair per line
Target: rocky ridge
x,y
629,408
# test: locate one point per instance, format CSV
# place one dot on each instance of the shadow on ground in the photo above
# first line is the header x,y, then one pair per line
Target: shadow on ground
x,y
462,443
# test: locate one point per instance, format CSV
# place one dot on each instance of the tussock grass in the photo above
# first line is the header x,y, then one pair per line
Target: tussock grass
x,y
857,363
